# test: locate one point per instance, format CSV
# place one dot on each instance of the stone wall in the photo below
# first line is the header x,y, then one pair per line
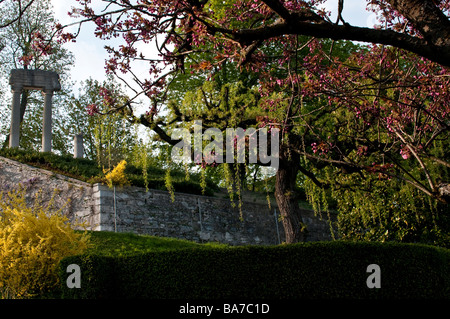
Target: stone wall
x,y
133,209
73,197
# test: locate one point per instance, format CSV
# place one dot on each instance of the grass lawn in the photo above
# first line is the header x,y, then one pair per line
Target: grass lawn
x,y
106,243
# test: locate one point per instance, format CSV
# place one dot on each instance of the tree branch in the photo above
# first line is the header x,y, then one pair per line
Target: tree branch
x,y
435,46
278,8
422,165
20,14
339,32
427,18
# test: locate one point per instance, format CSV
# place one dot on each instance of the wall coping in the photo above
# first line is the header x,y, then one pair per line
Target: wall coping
x,y
157,191
46,172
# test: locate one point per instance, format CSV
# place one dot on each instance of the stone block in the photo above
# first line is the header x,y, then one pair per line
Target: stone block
x,y
204,235
35,79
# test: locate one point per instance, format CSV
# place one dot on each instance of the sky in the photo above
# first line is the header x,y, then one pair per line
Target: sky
x,y
88,50
90,54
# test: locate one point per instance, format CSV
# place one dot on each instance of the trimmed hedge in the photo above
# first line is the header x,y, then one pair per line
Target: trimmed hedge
x,y
307,271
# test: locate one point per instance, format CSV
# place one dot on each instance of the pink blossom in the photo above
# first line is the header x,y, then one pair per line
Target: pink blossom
x,y
92,109
405,153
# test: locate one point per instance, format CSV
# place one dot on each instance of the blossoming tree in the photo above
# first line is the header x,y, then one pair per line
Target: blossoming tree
x,y
353,118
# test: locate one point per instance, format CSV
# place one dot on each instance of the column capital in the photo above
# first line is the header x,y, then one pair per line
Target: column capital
x,y
48,91
16,88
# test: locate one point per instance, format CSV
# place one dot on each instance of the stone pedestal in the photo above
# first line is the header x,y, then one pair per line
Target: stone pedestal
x,y
78,146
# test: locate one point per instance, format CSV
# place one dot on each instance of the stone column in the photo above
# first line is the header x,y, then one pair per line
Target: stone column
x,y
47,122
14,134
78,146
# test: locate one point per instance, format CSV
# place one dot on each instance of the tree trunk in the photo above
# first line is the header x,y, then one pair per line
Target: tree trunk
x,y
287,198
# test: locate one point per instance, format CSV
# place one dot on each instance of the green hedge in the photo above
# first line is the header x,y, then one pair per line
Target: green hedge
x,y
308,270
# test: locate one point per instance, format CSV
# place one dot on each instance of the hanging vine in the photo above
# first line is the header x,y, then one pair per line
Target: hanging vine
x,y
237,180
169,185
229,182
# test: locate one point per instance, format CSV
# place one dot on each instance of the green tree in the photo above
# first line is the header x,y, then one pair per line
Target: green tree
x,y
107,139
7,20
344,110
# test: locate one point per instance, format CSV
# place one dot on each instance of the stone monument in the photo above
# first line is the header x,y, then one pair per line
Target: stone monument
x,y
78,146
48,82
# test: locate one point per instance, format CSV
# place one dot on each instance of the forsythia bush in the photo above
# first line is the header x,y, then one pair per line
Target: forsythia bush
x,y
33,240
117,175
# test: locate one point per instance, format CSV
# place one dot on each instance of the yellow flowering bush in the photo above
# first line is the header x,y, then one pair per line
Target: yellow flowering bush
x,y
117,175
33,240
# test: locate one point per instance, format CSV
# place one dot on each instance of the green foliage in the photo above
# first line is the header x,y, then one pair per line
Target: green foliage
x,y
229,100
391,211
128,244
107,139
379,207
378,196
169,185
88,171
310,271
82,169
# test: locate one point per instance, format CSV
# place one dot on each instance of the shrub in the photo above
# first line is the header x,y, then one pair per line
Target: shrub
x,y
33,240
307,271
117,175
